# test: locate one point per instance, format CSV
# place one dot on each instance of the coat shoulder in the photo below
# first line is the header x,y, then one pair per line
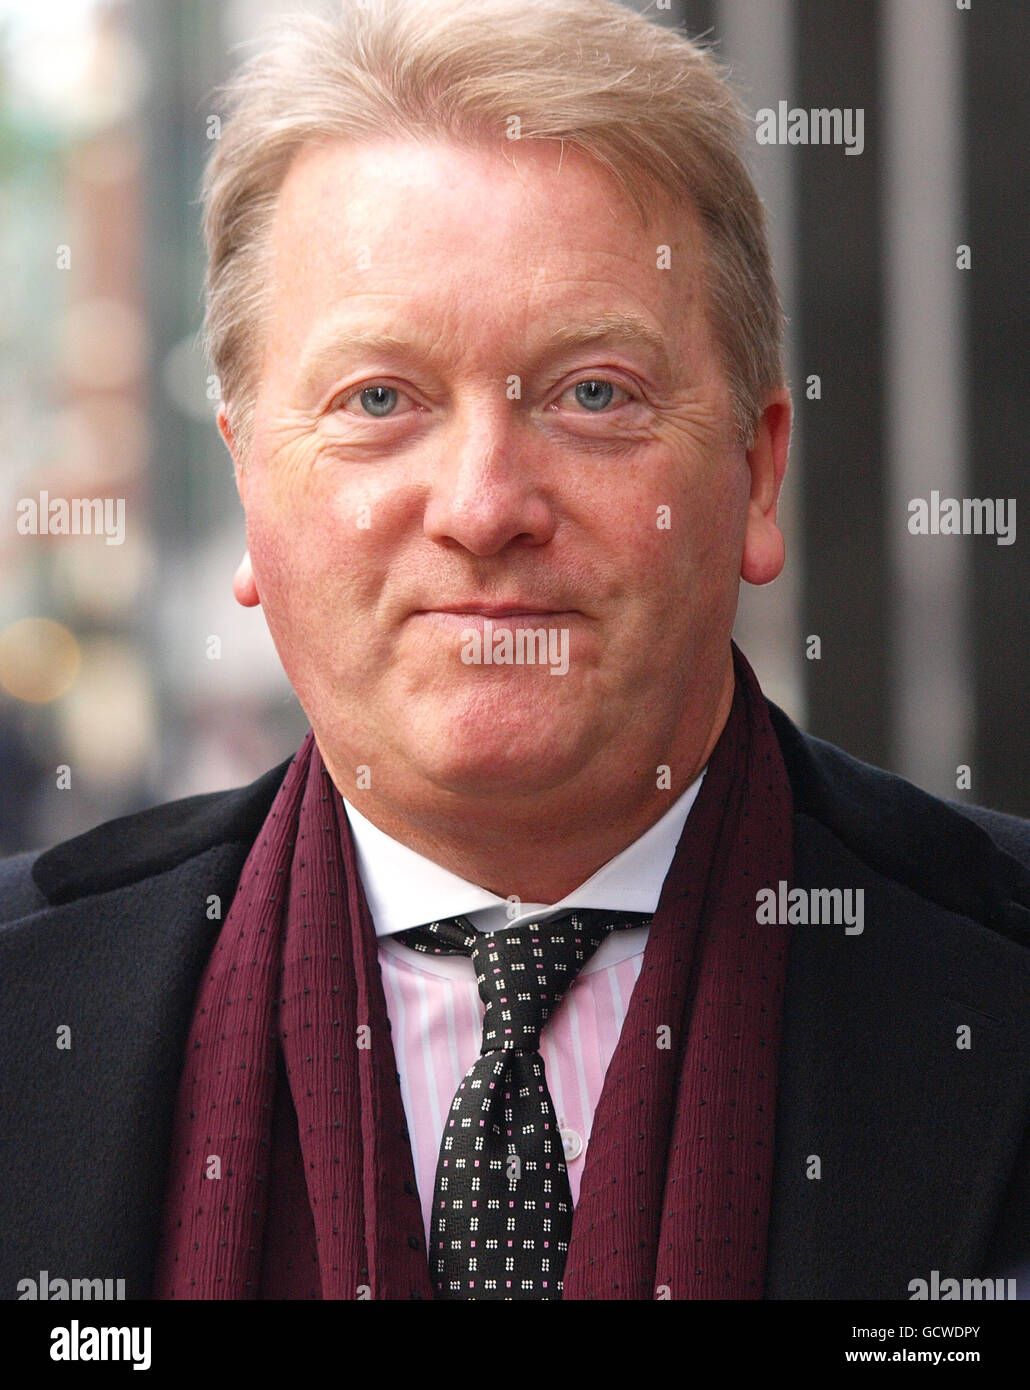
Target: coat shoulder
x,y
136,847
1011,833
968,859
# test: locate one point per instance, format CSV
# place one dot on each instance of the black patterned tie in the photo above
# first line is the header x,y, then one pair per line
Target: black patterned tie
x,y
502,1206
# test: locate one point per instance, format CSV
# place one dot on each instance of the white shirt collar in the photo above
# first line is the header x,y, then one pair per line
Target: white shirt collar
x,y
405,889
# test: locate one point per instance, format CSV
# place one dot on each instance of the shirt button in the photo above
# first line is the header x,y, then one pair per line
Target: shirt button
x,y
572,1143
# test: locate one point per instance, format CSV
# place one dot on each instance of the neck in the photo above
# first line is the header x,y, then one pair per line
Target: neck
x,y
541,849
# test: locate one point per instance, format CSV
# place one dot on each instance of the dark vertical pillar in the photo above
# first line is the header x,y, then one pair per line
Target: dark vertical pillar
x,y
696,16
998,299
840,340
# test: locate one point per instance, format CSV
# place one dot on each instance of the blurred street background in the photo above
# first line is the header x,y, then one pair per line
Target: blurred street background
x,y
908,360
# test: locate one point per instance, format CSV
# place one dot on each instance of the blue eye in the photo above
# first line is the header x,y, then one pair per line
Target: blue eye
x,y
379,400
595,395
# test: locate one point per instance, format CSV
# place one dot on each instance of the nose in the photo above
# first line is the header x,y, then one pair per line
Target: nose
x,y
486,490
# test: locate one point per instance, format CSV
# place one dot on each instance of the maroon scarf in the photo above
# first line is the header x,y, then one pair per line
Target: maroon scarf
x,y
304,1187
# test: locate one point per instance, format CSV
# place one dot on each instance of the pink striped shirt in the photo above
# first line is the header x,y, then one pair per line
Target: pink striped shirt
x,y
433,1003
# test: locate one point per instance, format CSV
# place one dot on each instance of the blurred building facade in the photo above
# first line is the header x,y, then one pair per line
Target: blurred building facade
x,y
127,673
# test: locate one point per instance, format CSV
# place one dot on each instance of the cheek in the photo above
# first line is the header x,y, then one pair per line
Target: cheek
x,y
689,537
713,507
286,516
685,521
318,562
293,569
272,555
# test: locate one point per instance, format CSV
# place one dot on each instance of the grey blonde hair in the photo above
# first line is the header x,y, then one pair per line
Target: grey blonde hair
x,y
651,106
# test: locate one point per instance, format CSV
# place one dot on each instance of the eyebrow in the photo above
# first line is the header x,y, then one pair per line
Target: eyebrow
x,y
324,351
617,328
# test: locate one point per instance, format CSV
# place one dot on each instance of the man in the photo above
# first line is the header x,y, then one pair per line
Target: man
x,y
558,963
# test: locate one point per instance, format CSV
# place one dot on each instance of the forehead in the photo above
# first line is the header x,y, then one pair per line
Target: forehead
x,y
534,174
484,235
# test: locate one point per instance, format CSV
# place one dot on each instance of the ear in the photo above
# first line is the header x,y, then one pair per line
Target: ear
x,y
225,429
244,585
762,557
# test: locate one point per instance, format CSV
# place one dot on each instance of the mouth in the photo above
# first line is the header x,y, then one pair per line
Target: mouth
x,y
478,616
496,611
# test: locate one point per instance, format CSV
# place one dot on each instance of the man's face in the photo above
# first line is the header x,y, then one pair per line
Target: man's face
x,y
465,462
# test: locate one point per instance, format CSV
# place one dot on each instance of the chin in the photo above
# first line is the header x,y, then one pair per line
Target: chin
x,y
492,761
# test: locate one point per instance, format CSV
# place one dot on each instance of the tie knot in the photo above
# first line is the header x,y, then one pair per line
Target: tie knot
x,y
523,971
